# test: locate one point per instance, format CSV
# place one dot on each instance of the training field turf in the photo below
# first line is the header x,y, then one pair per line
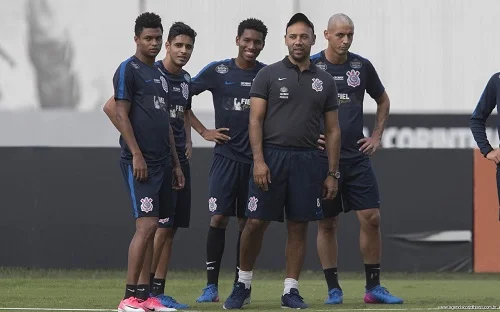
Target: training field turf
x,y
40,290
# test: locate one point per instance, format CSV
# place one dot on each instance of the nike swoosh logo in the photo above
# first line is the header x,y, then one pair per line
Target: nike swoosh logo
x,y
281,79
141,289
229,82
148,80
211,262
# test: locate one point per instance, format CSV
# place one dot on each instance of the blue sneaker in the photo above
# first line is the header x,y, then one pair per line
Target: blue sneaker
x,y
238,297
379,294
170,302
293,300
210,294
335,296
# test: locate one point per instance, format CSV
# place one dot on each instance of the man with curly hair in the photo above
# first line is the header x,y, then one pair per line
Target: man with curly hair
x,y
149,160
229,81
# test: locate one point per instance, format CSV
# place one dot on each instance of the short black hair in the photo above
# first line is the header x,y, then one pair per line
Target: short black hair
x,y
254,24
300,17
180,28
147,20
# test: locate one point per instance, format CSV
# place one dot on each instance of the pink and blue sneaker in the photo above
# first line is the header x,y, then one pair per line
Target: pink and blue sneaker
x,y
379,294
131,304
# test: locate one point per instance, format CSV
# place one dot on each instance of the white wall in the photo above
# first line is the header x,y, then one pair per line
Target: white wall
x,y
433,56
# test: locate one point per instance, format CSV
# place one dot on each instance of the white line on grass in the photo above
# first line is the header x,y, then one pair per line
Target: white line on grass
x,y
54,309
381,309
115,310
81,310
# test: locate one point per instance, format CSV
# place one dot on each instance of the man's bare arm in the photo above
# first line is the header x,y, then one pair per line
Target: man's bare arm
x,y
173,150
187,125
258,107
122,123
214,135
332,138
383,107
110,110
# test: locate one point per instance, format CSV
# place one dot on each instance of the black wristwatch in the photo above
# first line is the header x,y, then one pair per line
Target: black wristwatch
x,y
335,174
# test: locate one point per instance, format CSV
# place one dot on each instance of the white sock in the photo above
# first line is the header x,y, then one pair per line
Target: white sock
x,y
245,277
289,284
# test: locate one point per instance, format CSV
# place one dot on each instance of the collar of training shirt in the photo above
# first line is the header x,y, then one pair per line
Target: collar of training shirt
x,y
289,64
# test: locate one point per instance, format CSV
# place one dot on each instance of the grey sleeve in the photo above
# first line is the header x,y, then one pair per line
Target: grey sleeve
x,y
261,84
332,99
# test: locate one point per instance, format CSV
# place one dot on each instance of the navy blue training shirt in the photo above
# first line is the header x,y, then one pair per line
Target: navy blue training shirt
x,y
146,89
352,78
179,101
230,87
490,98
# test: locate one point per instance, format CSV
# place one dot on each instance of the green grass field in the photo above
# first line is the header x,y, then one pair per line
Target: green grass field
x,y
54,290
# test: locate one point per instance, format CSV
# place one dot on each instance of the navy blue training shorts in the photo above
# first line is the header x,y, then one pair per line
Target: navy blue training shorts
x,y
358,189
228,187
296,188
181,201
150,198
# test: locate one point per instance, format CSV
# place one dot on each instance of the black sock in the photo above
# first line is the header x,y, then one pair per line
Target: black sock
x,y
142,292
130,291
151,278
158,287
332,279
237,259
372,275
216,239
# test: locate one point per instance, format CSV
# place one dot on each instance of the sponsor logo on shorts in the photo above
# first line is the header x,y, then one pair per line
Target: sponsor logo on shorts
x,y
212,205
252,203
147,204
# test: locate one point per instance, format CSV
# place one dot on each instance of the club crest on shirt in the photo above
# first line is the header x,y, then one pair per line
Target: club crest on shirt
x,y
164,84
353,79
317,84
185,90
